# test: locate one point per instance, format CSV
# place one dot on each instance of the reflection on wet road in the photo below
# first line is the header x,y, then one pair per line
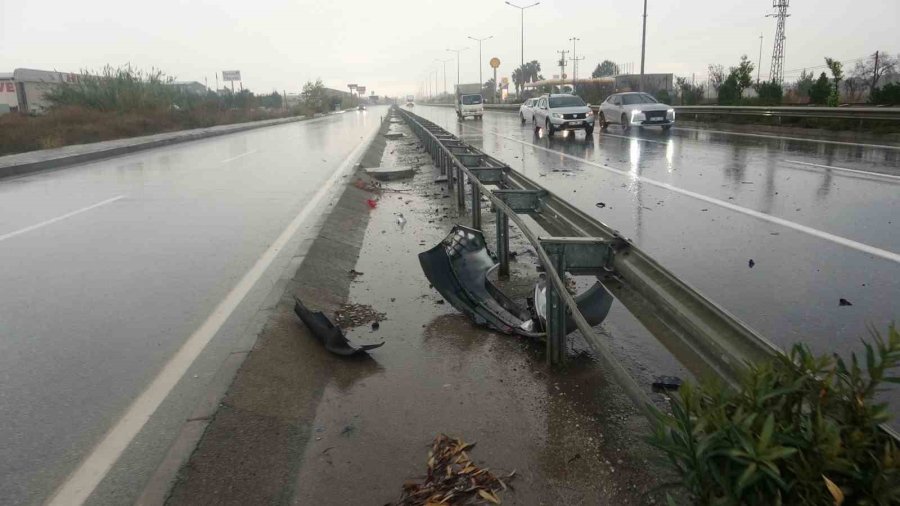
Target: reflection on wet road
x,y
706,203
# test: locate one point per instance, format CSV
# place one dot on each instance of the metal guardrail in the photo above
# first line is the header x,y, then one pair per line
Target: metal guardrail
x,y
853,113
704,337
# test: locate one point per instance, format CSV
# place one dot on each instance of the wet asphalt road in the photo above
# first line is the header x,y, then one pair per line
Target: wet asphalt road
x,y
108,267
820,220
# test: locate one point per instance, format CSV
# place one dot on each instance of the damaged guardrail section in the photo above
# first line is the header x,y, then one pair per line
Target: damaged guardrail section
x,y
702,335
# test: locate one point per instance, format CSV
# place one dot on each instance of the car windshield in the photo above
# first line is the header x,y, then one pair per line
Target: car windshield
x,y
638,98
471,99
569,101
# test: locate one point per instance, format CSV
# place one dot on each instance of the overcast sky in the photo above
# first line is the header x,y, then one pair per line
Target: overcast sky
x,y
391,45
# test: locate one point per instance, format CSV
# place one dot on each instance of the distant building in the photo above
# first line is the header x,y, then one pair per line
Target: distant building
x,y
24,90
193,87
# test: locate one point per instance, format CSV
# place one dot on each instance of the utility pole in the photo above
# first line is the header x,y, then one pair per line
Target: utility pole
x,y
522,10
759,62
777,73
562,64
480,80
643,45
457,51
874,75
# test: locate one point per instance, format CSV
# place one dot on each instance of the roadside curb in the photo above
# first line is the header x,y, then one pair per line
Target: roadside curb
x,y
159,486
20,164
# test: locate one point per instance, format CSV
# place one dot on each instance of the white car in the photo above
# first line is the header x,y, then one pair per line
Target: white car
x,y
526,110
635,109
562,112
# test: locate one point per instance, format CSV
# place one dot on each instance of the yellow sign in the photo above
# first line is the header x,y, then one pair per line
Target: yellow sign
x,y
495,62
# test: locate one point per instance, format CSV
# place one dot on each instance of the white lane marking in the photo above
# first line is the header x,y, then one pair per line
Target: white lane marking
x,y
239,156
855,171
779,137
865,248
82,482
607,134
10,235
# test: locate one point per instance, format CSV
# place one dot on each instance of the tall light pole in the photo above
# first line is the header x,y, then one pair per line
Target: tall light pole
x,y
643,45
444,62
457,51
522,9
574,62
479,41
759,62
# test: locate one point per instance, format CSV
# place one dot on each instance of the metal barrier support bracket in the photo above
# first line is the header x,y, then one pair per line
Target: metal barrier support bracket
x,y
490,175
522,201
583,255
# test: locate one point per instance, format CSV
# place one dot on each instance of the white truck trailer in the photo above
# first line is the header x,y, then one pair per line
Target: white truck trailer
x,y
469,101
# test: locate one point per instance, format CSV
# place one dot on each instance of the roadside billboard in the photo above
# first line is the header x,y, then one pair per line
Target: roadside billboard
x,y
231,75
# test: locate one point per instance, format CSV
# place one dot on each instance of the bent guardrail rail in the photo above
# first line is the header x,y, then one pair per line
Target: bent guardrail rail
x,y
703,336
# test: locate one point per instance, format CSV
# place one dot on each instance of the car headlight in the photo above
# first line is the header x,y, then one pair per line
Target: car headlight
x,y
590,114
670,113
636,112
556,115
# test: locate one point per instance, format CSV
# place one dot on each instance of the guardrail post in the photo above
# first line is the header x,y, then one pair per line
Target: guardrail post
x,y
476,204
460,189
503,243
556,313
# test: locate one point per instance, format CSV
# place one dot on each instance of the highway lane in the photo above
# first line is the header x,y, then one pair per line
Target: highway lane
x,y
704,204
108,268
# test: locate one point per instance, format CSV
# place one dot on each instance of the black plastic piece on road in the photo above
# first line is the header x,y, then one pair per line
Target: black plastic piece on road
x,y
327,333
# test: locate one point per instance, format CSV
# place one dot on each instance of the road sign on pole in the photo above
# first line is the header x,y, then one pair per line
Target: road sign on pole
x,y
495,62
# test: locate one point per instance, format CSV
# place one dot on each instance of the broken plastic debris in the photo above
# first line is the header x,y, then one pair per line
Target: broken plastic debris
x,y
372,203
844,302
666,383
751,263
601,205
329,335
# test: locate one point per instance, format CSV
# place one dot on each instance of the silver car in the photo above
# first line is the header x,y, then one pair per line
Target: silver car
x,y
635,109
562,112
526,110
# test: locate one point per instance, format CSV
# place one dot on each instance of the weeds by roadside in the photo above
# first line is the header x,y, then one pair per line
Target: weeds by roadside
x,y
799,430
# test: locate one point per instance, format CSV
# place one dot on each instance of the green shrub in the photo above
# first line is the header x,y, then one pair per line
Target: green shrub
x,y
770,93
820,90
799,430
889,94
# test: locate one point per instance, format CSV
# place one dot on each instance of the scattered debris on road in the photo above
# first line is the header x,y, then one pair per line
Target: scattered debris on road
x,y
453,478
357,315
751,263
329,335
661,383
845,302
601,205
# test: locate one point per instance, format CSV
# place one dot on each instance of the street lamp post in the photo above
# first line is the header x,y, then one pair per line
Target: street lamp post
x,y
457,51
480,78
574,62
444,62
643,44
522,10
